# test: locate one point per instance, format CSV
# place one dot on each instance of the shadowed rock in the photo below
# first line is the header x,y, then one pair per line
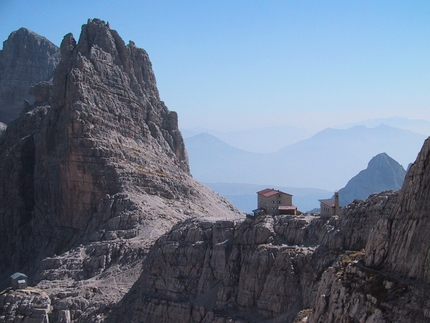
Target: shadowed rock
x,y
97,156
26,59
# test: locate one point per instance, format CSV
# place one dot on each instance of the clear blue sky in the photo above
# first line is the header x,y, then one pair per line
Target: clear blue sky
x,y
242,64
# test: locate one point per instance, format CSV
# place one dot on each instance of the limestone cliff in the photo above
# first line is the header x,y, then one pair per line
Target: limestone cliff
x,y
399,242
26,59
98,156
389,281
261,269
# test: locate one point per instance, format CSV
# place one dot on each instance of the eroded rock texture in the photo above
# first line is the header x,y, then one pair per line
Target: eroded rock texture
x,y
262,269
25,306
26,59
400,242
97,157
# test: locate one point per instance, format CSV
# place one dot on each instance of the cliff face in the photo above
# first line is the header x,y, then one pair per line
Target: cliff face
x,y
398,243
97,155
389,281
382,173
26,59
291,269
261,269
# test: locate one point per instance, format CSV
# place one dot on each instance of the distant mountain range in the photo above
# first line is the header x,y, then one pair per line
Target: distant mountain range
x,y
255,140
415,125
382,173
325,161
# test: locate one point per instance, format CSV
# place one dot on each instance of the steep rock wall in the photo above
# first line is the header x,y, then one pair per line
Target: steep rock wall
x,y
97,156
399,242
261,269
25,60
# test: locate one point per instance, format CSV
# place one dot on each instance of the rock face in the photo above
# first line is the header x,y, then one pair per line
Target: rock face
x,y
97,157
398,243
261,269
26,59
389,281
25,306
205,271
382,173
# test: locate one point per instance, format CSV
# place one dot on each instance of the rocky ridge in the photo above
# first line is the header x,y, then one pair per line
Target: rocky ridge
x,y
351,268
26,59
398,243
261,269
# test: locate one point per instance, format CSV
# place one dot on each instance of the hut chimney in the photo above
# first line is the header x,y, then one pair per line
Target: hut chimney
x,y
337,209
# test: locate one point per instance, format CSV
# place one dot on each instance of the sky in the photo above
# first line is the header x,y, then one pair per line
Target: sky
x,y
236,65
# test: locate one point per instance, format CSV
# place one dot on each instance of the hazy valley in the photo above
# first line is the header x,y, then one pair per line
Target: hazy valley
x,y
339,155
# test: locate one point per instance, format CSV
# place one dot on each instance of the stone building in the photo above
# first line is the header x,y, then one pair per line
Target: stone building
x,y
19,281
273,202
330,207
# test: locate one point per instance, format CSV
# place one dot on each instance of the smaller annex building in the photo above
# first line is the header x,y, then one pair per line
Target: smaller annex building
x,y
18,281
330,207
274,202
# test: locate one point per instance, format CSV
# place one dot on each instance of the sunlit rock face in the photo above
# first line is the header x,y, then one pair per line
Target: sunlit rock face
x,y
267,268
97,156
25,60
399,242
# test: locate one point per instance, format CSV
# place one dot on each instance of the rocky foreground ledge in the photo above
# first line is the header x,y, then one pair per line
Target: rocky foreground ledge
x,y
260,269
263,269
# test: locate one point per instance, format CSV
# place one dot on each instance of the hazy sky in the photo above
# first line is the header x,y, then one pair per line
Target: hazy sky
x,y
241,64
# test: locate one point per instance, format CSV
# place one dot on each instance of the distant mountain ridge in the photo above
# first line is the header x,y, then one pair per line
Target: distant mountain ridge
x,y
382,173
255,140
327,160
415,125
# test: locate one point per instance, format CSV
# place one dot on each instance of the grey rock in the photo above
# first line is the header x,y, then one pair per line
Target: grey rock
x,y
97,201
26,59
25,306
97,156
398,243
243,271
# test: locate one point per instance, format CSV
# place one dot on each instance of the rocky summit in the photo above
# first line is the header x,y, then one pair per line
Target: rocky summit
x,y
382,173
99,209
26,59
96,167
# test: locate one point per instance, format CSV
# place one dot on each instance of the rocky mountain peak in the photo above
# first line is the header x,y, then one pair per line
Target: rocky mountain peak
x,y
97,35
96,157
382,173
381,159
26,59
